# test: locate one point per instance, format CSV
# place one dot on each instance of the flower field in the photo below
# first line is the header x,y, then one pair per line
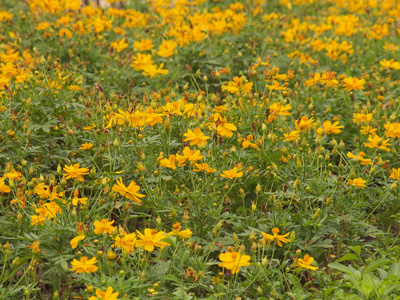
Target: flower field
x,y
200,149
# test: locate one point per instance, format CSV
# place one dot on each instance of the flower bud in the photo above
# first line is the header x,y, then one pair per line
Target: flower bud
x,y
341,145
6,248
296,183
235,238
111,255
258,188
292,236
264,261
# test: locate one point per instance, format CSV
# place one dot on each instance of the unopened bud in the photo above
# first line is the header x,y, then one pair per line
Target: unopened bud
x,y
258,188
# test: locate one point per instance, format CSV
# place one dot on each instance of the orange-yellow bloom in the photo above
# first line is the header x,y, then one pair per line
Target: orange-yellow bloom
x,y
391,64
187,233
232,173
151,238
352,83
358,182
106,295
196,137
189,155
305,263
86,146
279,239
127,242
103,226
395,174
129,192
84,265
360,158
75,172
233,260
377,142
75,241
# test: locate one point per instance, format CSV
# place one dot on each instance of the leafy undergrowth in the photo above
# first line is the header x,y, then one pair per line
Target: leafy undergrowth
x,y
175,149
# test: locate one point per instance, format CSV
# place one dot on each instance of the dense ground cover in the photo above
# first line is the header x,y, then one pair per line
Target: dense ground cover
x,y
175,149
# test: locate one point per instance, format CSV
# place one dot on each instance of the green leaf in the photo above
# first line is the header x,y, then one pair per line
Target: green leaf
x,y
356,249
184,255
395,270
367,284
180,293
348,256
340,267
171,277
376,264
171,241
294,280
64,265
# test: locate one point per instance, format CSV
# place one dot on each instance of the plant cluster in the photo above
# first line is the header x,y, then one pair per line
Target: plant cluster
x,y
194,149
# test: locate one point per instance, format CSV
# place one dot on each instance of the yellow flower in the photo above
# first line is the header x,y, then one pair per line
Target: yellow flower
x,y
43,26
360,158
304,124
377,142
170,162
143,45
86,146
225,129
233,260
196,138
390,64
103,226
75,172
392,130
352,83
362,118
127,242
141,61
151,238
204,167
3,187
167,48
238,85
154,71
231,174
332,128
129,192
395,174
279,110
84,265
189,155
276,86
74,242
358,182
291,136
119,45
368,130
187,233
305,262
246,142
279,239
35,247
107,295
